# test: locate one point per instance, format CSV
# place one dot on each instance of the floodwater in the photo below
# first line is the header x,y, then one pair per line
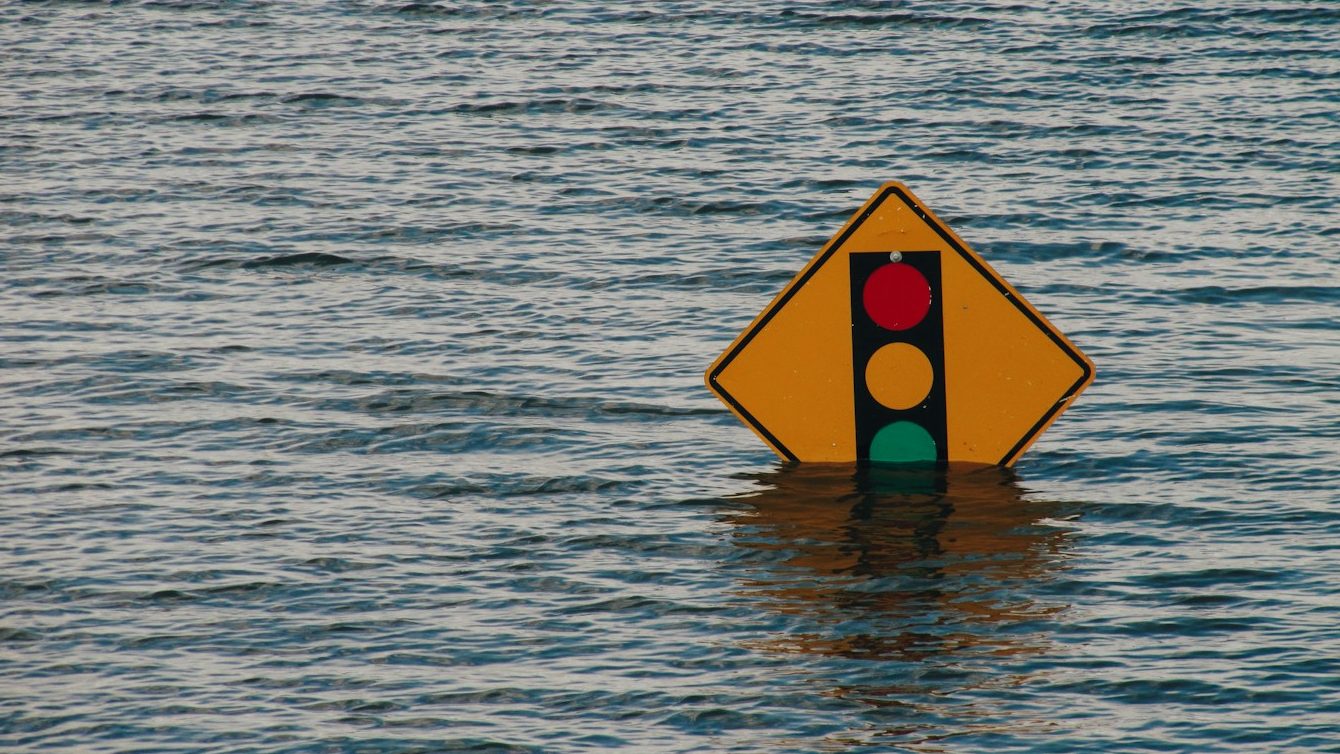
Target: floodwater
x,y
351,392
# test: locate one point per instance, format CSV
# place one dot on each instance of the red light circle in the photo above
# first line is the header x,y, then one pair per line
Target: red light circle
x,y
896,296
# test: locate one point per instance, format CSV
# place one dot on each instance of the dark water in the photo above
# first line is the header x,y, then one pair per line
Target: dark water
x,y
351,399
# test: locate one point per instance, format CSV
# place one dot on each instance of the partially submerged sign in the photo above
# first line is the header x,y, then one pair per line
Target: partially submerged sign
x,y
898,344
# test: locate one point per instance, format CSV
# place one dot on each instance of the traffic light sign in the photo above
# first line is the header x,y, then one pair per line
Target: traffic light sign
x,y
897,343
897,337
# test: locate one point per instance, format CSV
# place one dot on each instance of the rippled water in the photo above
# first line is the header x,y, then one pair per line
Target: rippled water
x,y
351,367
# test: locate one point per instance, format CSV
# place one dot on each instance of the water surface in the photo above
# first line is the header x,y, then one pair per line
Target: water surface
x,y
351,388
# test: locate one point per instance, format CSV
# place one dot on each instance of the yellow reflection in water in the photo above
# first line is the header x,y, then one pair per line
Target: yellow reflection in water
x,y
934,569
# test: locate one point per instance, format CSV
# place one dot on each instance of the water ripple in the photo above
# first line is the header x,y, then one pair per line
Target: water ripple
x,y
352,355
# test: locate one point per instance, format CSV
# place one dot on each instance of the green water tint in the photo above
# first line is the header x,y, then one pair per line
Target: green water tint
x,y
902,442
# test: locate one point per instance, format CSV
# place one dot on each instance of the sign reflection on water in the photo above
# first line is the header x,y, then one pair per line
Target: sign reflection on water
x,y
938,574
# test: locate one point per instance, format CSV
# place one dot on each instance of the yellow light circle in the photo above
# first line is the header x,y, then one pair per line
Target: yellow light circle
x,y
899,375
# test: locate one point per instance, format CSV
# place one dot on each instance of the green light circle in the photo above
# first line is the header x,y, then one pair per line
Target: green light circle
x,y
902,442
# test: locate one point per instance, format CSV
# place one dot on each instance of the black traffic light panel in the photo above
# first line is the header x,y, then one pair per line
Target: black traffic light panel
x,y
897,335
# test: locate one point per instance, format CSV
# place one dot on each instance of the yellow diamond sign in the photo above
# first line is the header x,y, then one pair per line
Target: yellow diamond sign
x,y
897,343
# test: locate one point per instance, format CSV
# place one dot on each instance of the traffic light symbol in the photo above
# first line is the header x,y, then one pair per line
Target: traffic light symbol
x,y
898,356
